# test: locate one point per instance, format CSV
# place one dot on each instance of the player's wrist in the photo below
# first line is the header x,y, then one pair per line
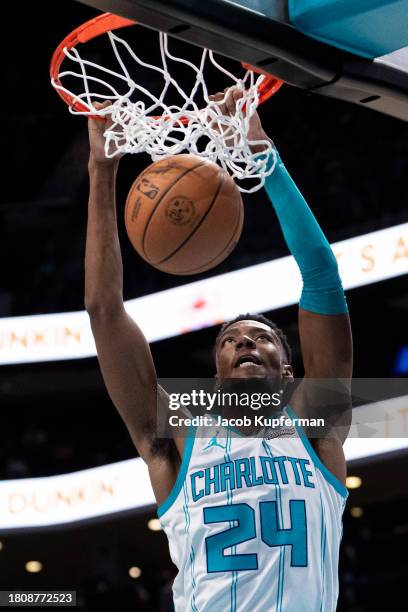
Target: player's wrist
x,y
261,147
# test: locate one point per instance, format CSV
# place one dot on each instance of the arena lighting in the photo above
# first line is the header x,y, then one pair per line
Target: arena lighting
x,y
360,448
154,525
401,362
362,260
356,512
33,567
78,496
353,482
135,572
101,491
123,486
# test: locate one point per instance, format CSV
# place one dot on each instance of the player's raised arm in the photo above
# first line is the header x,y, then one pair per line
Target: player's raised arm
x,y
324,324
123,352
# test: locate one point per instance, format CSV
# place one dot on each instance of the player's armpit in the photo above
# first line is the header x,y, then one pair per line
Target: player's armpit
x,y
325,404
331,454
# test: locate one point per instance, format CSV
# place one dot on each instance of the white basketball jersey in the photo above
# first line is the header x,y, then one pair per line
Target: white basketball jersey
x,y
254,524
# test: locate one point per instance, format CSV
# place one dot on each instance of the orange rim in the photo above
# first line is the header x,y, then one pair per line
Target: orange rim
x,y
107,22
85,32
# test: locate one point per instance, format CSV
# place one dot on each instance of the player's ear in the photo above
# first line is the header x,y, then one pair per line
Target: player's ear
x,y
287,372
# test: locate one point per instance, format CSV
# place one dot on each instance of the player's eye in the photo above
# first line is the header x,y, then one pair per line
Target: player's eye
x,y
264,337
228,340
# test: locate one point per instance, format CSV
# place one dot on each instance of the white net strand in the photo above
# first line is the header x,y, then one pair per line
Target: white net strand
x,y
162,129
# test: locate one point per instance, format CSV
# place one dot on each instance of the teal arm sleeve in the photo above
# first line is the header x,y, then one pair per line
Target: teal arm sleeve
x,y
322,289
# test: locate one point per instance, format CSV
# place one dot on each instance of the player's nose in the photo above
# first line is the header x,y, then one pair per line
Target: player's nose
x,y
245,341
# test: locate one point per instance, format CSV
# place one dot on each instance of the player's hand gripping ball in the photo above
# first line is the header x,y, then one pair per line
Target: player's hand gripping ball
x,y
184,214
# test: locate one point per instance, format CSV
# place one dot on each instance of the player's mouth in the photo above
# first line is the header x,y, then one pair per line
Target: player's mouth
x,y
247,361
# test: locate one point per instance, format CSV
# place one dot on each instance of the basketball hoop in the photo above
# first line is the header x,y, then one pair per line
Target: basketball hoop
x,y
154,125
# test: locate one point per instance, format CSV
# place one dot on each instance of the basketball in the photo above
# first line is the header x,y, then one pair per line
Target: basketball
x,y
184,214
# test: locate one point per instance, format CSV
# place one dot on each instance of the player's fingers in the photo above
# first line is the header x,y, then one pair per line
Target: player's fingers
x,y
228,105
237,93
106,119
218,98
101,105
227,100
233,94
230,102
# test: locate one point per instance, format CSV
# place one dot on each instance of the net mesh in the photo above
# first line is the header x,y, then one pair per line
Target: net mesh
x,y
142,121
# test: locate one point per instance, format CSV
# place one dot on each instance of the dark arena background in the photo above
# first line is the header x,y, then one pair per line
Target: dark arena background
x,y
56,416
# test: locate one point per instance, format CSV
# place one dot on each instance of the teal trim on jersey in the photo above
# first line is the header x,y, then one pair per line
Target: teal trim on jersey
x,y
192,561
322,547
192,554
185,462
331,478
185,508
230,495
282,551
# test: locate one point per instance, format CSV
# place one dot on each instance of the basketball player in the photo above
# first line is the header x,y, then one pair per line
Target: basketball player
x,y
254,523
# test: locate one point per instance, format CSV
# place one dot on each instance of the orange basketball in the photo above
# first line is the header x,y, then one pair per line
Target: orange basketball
x,y
184,214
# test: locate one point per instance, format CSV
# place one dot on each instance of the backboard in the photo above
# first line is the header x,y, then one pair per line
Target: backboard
x,y
266,33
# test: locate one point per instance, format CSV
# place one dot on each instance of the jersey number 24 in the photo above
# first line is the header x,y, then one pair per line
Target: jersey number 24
x,y
245,529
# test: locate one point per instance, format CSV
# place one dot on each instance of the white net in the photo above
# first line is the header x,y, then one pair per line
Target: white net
x,y
145,122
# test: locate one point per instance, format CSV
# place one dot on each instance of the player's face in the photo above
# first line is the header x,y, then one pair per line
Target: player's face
x,y
250,349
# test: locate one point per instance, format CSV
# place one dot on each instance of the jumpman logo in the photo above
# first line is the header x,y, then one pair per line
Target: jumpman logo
x,y
214,442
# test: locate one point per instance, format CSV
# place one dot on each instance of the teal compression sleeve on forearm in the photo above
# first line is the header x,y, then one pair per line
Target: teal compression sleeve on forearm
x,y
322,289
